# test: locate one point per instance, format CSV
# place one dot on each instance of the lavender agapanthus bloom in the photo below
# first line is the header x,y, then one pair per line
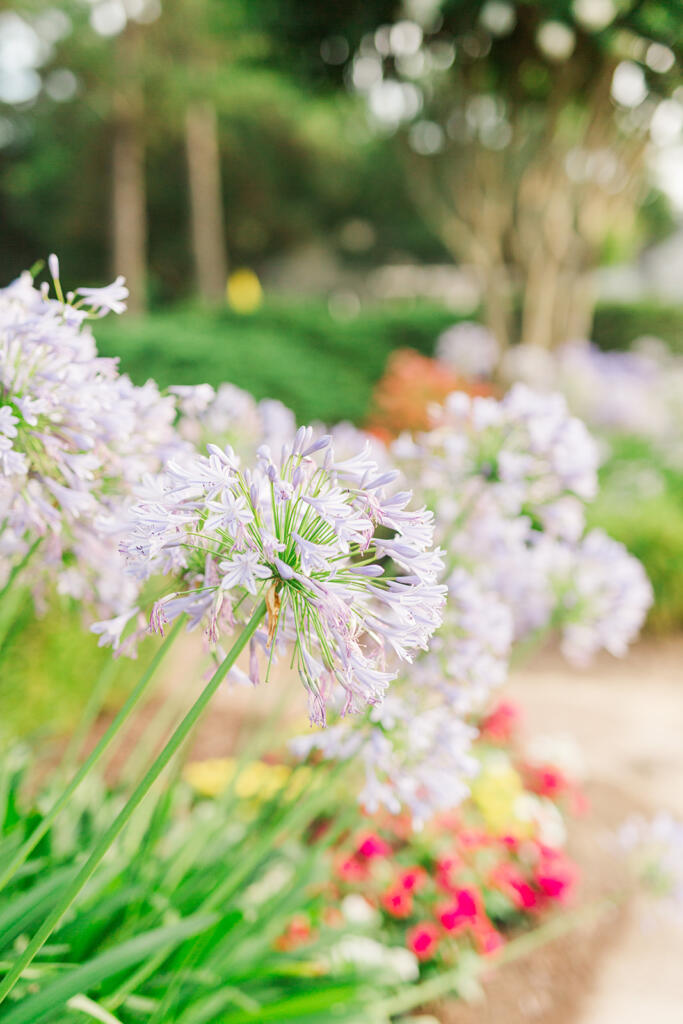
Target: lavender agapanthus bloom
x,y
469,348
415,756
232,416
509,481
302,532
110,299
75,435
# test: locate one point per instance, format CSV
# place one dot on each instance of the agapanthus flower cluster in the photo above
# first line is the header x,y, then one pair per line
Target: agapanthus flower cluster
x,y
415,756
636,392
345,566
469,348
521,454
509,481
75,435
230,415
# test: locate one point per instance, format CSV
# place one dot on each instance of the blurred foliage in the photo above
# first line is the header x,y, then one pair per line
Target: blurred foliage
x,y
640,503
322,367
617,325
297,161
298,156
49,666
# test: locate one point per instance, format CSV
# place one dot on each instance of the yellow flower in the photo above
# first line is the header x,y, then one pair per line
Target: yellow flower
x,y
495,792
255,780
244,291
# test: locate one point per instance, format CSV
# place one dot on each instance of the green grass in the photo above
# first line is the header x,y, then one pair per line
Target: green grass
x,y
322,368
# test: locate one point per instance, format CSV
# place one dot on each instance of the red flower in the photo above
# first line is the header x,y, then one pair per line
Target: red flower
x,y
546,781
462,912
398,903
447,869
412,879
423,940
510,880
371,845
555,876
349,869
297,932
500,724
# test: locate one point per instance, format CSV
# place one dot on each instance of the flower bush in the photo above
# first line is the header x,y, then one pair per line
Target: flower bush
x,y
470,879
397,580
630,401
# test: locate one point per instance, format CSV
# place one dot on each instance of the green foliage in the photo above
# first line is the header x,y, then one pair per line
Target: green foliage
x,y
321,367
617,325
180,919
48,667
650,525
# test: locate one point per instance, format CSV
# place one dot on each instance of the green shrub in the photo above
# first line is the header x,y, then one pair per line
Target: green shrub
x,y
641,504
617,325
321,367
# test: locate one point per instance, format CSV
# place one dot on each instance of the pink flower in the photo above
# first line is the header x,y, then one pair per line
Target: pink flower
x,y
371,845
555,875
398,903
412,879
462,912
510,880
351,870
422,940
447,869
473,838
500,724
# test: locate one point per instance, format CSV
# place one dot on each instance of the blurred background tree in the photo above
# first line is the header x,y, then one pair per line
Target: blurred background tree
x,y
526,128
155,137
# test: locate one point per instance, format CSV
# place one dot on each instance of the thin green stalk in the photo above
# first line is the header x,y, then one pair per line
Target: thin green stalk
x,y
30,844
10,610
135,799
20,566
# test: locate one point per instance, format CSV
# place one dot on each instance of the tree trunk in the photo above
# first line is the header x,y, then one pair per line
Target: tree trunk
x,y
206,202
129,196
129,213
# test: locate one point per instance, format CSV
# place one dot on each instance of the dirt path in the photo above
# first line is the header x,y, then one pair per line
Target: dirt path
x,y
627,717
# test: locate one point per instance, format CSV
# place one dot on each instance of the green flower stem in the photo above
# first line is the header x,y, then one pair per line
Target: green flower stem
x,y
135,799
30,844
456,979
20,566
